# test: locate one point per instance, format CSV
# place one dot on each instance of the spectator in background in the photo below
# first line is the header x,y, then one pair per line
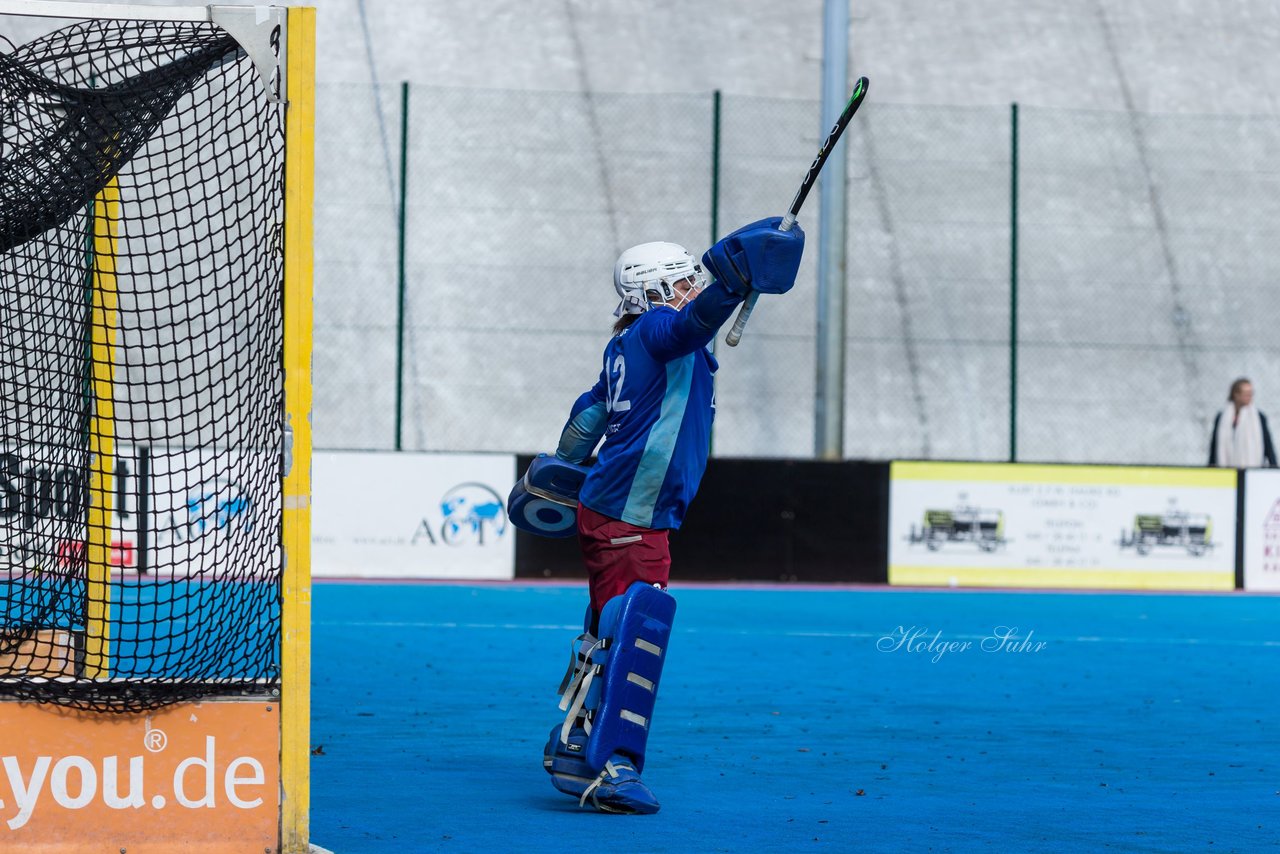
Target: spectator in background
x,y
1241,438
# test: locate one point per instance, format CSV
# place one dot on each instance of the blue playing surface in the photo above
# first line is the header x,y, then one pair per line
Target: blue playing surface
x,y
162,628
795,720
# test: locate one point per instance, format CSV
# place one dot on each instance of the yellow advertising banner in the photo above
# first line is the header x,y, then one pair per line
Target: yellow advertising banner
x,y
195,777
1100,527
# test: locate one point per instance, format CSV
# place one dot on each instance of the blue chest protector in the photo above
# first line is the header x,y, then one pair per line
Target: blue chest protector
x,y
653,405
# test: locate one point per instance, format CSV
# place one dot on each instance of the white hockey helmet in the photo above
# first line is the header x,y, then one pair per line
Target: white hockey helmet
x,y
649,272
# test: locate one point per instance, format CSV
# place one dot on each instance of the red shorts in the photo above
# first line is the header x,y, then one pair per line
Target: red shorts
x,y
618,554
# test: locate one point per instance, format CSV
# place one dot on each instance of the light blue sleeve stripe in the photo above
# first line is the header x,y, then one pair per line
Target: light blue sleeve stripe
x,y
661,445
582,433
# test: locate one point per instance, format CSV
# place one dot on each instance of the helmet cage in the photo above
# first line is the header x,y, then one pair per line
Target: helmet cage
x,y
648,274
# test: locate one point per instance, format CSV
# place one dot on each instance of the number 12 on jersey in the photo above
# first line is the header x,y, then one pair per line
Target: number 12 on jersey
x,y
614,378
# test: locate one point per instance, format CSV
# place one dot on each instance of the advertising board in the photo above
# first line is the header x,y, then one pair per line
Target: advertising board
x,y
1018,525
412,515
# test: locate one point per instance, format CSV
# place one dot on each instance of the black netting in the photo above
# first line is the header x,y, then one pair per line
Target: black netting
x,y
184,601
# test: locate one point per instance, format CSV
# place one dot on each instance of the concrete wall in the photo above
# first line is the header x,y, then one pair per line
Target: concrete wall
x,y
536,153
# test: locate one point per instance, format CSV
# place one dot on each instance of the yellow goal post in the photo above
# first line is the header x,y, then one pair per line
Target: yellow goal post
x,y
280,41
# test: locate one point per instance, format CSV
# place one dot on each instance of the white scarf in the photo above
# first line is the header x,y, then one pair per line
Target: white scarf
x,y
1239,446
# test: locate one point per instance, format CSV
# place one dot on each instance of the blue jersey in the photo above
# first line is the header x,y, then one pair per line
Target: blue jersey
x,y
653,404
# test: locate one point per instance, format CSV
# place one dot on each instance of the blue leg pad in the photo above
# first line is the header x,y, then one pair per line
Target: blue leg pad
x,y
636,627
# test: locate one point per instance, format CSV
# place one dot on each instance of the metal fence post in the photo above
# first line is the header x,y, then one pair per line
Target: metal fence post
x,y
715,210
715,167
833,209
1013,284
400,273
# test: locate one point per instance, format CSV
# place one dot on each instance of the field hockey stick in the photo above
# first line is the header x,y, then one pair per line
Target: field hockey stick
x,y
810,178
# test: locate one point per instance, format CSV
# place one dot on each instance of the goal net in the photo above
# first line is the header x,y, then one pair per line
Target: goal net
x,y
143,437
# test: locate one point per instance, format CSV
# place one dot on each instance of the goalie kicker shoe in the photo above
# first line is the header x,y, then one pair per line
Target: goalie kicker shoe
x,y
616,789
569,771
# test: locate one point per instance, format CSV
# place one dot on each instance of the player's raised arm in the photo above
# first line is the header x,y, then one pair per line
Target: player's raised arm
x,y
757,257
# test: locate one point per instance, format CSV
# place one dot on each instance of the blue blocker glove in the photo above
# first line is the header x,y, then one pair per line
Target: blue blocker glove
x,y
757,257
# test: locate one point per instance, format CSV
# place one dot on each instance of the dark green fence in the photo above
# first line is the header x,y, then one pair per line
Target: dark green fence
x,y
1023,283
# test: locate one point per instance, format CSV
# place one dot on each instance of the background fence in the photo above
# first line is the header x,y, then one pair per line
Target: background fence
x,y
1046,284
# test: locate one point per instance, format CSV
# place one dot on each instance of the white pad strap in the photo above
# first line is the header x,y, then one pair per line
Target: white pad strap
x,y
574,694
576,656
583,671
578,699
595,784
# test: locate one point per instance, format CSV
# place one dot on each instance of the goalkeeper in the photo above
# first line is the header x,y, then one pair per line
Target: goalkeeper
x,y
653,406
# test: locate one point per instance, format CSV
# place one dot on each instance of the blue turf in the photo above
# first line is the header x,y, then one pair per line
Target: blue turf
x,y
163,628
1147,723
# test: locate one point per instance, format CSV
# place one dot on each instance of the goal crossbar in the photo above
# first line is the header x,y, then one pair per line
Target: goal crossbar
x,y
110,11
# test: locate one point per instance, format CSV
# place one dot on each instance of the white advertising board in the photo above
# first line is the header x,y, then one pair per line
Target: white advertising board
x,y
412,515
177,513
208,514
1262,529
1017,525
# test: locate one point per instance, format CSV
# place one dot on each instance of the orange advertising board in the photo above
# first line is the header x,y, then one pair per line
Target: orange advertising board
x,y
195,777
